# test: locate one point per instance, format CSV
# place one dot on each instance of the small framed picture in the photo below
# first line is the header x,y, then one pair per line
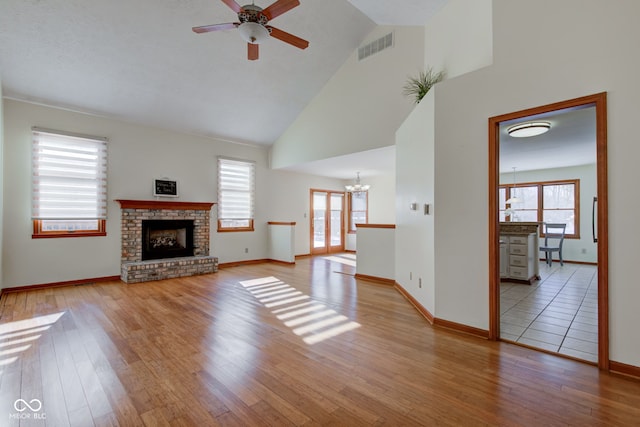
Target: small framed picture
x,y
165,188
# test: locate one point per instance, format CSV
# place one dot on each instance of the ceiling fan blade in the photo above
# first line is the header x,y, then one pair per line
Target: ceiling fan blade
x,y
233,5
215,27
252,51
288,38
279,7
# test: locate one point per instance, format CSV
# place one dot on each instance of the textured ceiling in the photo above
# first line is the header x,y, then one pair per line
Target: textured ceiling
x,y
140,61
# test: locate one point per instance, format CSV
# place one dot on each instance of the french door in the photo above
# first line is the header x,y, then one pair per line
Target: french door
x,y
327,221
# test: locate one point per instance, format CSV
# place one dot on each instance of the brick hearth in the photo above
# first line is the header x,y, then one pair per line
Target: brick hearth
x,y
134,270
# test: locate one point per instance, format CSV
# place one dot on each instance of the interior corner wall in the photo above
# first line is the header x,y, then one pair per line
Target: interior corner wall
x,y
415,259
360,107
290,201
459,38
381,207
541,74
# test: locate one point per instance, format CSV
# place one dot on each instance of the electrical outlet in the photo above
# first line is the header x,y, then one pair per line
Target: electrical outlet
x,y
410,275
246,250
584,250
420,282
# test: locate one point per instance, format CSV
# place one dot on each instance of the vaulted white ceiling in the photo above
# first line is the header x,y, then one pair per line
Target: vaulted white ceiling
x,y
140,61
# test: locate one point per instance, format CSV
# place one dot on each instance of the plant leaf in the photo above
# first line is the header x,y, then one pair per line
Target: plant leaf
x,y
420,85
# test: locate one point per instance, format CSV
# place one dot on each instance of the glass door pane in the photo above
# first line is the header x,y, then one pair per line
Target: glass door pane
x,y
319,219
336,224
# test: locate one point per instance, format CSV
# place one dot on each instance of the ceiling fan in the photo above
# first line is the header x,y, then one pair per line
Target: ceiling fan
x,y
253,25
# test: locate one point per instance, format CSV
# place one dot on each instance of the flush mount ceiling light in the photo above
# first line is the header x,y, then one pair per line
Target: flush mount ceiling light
x,y
524,130
357,187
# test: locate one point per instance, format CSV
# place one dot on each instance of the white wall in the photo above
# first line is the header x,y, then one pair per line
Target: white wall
x,y
137,154
382,207
545,58
381,204
572,248
414,262
282,242
377,252
359,108
290,200
459,39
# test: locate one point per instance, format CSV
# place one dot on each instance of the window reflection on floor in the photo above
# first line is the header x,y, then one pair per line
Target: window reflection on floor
x,y
347,259
309,319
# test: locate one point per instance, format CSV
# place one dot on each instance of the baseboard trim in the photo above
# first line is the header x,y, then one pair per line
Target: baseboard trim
x,y
303,256
253,262
277,261
421,309
624,369
59,284
459,327
241,263
542,260
375,279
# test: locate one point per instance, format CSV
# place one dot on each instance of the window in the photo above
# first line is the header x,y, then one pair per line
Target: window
x,y
552,201
358,204
69,184
236,187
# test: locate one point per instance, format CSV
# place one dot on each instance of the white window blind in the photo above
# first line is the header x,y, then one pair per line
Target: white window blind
x,y
69,176
235,189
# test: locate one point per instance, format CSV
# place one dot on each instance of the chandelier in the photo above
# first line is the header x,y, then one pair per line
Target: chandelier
x,y
357,187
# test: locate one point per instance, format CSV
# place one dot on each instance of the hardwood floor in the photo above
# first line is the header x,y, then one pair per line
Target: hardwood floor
x,y
277,345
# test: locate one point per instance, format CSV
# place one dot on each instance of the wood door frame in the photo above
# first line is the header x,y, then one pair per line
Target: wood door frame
x,y
599,100
313,250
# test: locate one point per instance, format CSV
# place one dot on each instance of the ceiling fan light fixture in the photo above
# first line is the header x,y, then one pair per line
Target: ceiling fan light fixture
x,y
252,32
525,130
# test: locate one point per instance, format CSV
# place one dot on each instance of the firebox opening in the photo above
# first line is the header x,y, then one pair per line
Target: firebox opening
x,y
167,239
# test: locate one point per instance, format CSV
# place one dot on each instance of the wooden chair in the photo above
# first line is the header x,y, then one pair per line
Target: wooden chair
x,y
553,240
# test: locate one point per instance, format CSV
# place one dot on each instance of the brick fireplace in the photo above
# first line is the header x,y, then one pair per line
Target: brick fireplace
x,y
162,228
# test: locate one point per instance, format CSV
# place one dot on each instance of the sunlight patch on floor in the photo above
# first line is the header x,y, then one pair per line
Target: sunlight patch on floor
x,y
342,260
311,320
14,335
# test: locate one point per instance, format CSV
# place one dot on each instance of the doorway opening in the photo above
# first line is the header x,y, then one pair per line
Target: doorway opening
x,y
501,213
327,221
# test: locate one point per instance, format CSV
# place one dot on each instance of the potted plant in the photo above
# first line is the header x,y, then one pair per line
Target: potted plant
x,y
420,85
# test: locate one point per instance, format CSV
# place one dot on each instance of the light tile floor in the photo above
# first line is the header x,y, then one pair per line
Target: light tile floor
x,y
557,313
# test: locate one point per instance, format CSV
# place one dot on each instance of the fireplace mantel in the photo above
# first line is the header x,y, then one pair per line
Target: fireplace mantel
x,y
160,204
